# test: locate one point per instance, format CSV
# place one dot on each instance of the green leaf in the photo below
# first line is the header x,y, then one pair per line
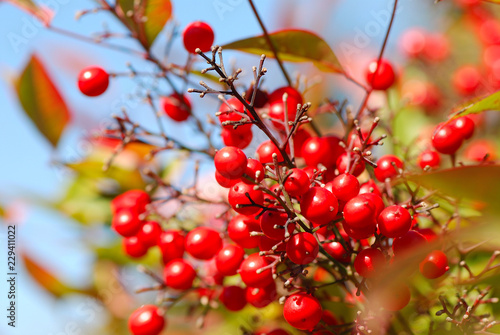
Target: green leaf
x,y
294,46
479,183
48,281
491,102
148,18
42,101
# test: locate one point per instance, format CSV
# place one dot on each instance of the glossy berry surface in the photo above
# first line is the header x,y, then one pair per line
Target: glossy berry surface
x,y
146,320
93,81
233,298
345,187
302,248
240,140
179,274
261,297
134,200
302,311
297,182
223,181
239,229
408,242
254,170
369,262
241,203
464,125
394,221
228,259
387,167
396,297
270,219
346,165
434,265
322,150
198,35
177,107
319,205
265,152
467,80
446,139
134,247
203,243
171,244
249,274
380,76
230,162
337,251
360,213
126,222
429,158
231,111
149,234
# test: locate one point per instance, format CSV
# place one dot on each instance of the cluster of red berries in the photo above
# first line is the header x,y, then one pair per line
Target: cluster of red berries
x,y
449,136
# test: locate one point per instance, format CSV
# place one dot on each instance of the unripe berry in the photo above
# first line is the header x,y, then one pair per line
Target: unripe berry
x,y
198,35
146,320
179,274
93,81
302,248
302,311
203,243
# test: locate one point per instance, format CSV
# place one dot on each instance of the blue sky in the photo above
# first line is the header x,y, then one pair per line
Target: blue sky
x,y
25,169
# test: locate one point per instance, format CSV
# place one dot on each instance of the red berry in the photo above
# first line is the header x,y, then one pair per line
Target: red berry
x,y
297,182
260,297
126,222
394,221
337,251
322,150
412,42
179,274
434,265
446,139
408,242
395,297
360,213
93,81
270,219
239,229
464,125
254,170
369,262
388,167
319,205
198,35
302,311
223,181
231,111
171,245
146,320
437,47
134,247
375,200
135,200
277,107
299,138
149,235
342,162
265,152
231,162
380,77
302,248
203,243
370,187
467,80
251,274
233,298
481,150
261,97
236,139
429,158
237,197
267,244
360,234
228,259
345,187
177,107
